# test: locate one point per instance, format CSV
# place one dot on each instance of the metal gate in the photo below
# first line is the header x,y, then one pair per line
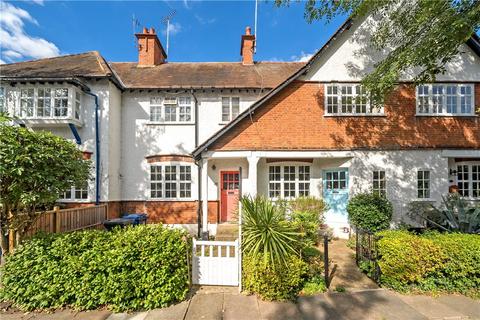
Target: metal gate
x,y
215,263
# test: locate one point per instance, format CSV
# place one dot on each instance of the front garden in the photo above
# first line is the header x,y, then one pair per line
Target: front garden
x,y
442,257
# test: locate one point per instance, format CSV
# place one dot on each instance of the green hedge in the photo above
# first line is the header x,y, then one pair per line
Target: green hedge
x,y
430,262
135,268
370,211
281,283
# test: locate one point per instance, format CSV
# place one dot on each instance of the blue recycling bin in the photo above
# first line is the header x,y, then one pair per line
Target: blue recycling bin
x,y
137,218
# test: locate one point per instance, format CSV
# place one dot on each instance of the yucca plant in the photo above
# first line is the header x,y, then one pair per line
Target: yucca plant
x,y
265,231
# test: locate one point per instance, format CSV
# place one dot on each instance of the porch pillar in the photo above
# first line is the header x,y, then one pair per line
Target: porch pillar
x,y
204,182
252,175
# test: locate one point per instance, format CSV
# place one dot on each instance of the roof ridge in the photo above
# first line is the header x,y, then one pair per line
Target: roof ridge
x,y
51,58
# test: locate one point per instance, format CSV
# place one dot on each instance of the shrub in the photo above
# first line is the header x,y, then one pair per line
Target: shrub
x,y
370,211
266,233
430,262
314,285
126,269
283,282
307,216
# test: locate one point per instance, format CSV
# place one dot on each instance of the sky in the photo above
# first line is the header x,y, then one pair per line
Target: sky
x,y
200,30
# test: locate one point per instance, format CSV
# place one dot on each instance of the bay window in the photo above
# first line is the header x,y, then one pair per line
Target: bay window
x,y
288,181
350,100
171,109
445,99
170,181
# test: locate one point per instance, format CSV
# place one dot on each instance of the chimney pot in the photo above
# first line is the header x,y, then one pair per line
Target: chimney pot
x,y
152,31
248,31
145,30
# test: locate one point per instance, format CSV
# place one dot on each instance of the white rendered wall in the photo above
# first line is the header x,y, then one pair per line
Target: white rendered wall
x,y
350,57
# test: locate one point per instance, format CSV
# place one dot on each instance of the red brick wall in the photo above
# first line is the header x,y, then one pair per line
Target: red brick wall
x,y
294,120
158,211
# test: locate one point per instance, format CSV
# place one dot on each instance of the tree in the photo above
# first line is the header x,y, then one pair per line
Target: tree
x,y
35,168
418,34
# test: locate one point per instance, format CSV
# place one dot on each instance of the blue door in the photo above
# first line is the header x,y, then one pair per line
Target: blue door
x,y
335,194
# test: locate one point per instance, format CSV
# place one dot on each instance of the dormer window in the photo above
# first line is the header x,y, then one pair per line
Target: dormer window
x,y
171,109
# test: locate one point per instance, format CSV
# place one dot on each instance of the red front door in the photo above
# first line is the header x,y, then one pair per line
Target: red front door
x,y
229,194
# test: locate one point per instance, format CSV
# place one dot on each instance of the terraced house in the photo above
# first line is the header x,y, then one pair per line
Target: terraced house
x,y
182,141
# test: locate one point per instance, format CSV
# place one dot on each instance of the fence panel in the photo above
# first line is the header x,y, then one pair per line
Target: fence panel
x,y
67,220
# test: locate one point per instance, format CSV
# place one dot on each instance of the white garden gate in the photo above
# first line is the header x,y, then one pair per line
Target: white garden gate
x,y
215,263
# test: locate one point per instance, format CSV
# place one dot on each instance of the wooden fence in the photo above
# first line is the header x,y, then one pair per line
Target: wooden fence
x,y
66,220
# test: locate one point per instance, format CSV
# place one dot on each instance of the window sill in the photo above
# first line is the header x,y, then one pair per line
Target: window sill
x,y
50,122
155,123
424,200
447,115
74,201
170,200
355,115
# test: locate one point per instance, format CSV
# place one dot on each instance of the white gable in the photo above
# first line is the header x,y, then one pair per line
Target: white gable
x,y
349,58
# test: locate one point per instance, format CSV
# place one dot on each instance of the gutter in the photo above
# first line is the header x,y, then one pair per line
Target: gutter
x,y
97,147
71,80
199,168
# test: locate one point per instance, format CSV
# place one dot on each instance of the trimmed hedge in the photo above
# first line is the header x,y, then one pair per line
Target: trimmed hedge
x,y
430,262
127,269
281,283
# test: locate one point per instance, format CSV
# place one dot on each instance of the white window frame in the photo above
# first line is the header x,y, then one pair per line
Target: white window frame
x,y
180,105
180,182
357,91
71,97
470,179
378,180
231,114
297,182
445,98
73,194
426,190
3,100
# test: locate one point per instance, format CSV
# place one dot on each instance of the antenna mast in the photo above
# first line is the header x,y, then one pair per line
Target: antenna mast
x,y
135,24
256,37
166,20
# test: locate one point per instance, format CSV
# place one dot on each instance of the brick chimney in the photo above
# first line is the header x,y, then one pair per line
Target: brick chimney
x,y
247,47
150,50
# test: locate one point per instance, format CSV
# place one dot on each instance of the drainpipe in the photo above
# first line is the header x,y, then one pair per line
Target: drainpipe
x,y
97,149
199,168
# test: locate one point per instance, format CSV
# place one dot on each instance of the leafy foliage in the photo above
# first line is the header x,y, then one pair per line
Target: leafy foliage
x,y
455,214
370,211
266,233
314,286
283,282
430,262
423,34
35,167
307,216
127,269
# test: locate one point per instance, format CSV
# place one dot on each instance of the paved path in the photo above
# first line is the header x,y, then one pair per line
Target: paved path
x,y
226,303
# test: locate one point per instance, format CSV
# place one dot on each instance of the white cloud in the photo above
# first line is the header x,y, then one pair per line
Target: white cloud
x,y
202,20
15,43
302,57
175,28
185,4
39,2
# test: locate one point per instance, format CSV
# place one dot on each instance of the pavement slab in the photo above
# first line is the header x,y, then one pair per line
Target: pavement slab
x,y
205,307
174,312
270,310
240,307
372,304
317,308
431,307
463,305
